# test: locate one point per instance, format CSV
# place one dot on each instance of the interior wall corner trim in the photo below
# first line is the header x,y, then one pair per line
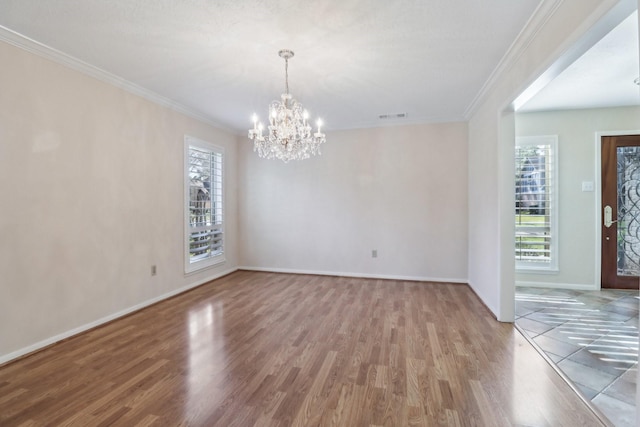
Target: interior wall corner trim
x,y
23,42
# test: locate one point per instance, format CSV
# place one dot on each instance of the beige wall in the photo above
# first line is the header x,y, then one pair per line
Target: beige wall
x,y
401,190
91,179
577,162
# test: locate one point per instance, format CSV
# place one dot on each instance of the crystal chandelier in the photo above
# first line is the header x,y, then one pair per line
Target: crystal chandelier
x,y
289,134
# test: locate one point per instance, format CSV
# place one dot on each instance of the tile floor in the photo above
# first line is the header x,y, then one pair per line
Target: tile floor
x,y
592,336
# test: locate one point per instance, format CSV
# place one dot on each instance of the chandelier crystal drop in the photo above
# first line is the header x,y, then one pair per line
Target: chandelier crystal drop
x,y
289,135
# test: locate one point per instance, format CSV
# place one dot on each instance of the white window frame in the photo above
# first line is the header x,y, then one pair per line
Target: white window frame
x,y
523,266
191,266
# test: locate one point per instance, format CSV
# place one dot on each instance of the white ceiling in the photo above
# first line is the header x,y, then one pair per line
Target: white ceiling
x,y
355,59
601,77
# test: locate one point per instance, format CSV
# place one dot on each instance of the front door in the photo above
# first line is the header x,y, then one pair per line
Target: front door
x,y
621,212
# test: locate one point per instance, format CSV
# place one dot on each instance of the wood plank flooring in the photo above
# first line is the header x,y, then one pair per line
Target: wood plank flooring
x,y
266,349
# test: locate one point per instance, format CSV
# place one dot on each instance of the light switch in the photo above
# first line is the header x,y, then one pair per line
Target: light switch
x,y
587,185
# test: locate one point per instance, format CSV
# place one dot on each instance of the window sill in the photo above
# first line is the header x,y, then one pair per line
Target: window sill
x,y
533,270
204,265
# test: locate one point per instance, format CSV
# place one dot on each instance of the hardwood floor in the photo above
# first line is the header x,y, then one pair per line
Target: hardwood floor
x,y
269,349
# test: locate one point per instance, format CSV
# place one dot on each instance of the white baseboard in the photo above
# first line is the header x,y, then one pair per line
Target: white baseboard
x,y
574,286
361,275
493,311
52,340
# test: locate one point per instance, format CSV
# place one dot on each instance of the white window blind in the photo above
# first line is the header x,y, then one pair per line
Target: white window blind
x,y
204,222
536,203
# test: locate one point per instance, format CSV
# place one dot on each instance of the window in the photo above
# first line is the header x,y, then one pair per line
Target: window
x,y
536,203
204,224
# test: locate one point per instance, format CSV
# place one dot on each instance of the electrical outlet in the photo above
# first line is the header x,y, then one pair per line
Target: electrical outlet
x,y
154,270
374,253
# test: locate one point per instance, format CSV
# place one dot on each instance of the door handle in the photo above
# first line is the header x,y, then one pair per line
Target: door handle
x,y
608,222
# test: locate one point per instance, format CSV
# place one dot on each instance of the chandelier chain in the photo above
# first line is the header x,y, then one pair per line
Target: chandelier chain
x,y
286,75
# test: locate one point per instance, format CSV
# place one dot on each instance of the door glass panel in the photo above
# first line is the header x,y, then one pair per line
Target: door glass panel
x,y
628,159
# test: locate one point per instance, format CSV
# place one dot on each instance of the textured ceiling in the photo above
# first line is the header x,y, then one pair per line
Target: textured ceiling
x,y
355,59
602,77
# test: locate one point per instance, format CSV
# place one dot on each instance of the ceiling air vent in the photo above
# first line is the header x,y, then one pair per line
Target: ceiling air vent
x,y
392,116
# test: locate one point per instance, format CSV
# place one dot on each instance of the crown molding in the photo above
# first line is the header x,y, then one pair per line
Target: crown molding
x,y
23,42
603,19
545,10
